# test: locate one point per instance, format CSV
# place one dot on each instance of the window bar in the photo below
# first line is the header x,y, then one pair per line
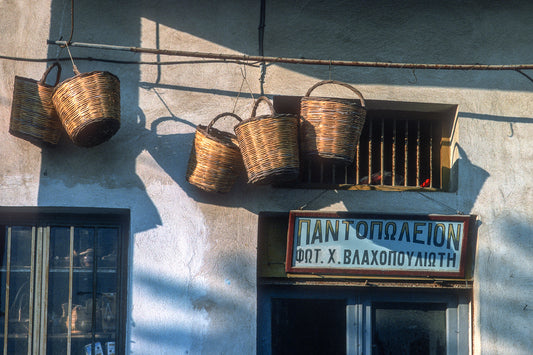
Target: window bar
x,y
370,138
357,163
366,309
38,276
382,150
44,288
70,277
321,172
359,326
394,153
405,150
121,286
418,153
352,340
346,174
333,173
8,272
32,291
431,154
93,315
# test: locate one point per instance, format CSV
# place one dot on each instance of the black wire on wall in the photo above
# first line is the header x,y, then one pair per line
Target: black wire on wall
x,y
261,43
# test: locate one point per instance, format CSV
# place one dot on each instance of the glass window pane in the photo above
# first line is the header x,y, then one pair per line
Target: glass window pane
x,y
409,328
60,247
16,304
308,326
83,289
21,247
84,246
94,320
3,268
107,244
58,289
106,258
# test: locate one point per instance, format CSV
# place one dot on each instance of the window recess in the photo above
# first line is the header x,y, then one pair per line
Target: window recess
x,y
403,146
357,321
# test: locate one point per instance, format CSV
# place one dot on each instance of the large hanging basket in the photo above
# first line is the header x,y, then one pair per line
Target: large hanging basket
x,y
269,146
331,127
33,116
215,161
88,106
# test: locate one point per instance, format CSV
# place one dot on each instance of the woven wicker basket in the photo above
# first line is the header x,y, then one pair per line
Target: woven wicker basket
x,y
331,127
88,106
215,161
33,116
269,146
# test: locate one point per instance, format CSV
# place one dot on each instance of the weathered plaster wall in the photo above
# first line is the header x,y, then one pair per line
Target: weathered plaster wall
x,y
192,278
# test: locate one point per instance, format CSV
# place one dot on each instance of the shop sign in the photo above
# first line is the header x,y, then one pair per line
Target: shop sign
x,y
377,245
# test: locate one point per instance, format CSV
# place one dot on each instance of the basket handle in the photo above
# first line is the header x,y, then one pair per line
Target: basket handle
x,y
45,75
357,92
220,116
258,101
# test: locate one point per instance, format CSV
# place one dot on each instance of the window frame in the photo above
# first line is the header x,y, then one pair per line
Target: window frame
x,y
42,219
359,302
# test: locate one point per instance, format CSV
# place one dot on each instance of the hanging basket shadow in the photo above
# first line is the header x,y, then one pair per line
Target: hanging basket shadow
x,y
88,106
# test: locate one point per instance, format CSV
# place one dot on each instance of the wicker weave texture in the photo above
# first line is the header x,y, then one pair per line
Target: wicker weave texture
x,y
215,161
33,116
269,147
88,106
331,127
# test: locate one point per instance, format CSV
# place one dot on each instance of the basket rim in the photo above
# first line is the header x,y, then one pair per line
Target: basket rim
x,y
340,100
203,130
262,117
340,83
34,81
81,75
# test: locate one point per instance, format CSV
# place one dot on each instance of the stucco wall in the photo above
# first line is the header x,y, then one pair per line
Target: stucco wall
x,y
192,286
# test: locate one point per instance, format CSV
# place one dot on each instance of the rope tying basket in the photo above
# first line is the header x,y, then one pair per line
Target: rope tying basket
x,y
88,106
215,161
331,127
33,116
269,146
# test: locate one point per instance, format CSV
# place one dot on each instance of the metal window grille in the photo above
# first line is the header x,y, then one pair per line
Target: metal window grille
x,y
390,152
403,145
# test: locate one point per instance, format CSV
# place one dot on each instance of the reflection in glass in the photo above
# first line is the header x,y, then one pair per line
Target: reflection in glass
x,y
84,244
60,247
308,326
21,238
16,257
409,328
87,291
107,243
